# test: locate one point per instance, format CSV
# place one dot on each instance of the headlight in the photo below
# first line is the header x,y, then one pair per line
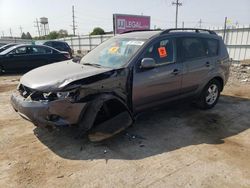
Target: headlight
x,y
71,95
62,95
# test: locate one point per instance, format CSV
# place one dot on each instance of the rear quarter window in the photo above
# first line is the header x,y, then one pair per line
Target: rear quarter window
x,y
212,47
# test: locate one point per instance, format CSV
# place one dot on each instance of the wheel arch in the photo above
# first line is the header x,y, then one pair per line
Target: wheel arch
x,y
95,106
220,80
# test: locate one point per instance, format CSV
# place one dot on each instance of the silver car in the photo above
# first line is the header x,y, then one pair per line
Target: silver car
x,y
123,76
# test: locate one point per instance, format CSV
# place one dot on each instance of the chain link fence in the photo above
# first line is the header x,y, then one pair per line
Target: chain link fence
x,y
237,41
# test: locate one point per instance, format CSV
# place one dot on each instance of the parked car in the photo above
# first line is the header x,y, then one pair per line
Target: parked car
x,y
124,76
2,44
27,57
6,46
59,45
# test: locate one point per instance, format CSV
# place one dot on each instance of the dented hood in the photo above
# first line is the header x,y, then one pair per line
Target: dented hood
x,y
57,75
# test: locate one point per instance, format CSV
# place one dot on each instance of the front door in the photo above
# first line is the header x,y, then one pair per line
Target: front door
x,y
18,59
158,84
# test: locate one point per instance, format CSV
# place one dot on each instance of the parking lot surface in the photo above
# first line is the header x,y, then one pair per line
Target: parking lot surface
x,y
175,146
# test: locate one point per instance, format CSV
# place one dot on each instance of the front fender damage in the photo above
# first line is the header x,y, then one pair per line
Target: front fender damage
x,y
108,98
112,124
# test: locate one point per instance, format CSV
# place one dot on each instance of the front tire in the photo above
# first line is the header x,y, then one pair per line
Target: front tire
x,y
210,95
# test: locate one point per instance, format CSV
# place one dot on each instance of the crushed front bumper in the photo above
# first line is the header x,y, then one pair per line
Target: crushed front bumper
x,y
55,113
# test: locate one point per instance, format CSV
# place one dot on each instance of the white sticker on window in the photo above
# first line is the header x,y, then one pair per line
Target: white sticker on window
x,y
135,42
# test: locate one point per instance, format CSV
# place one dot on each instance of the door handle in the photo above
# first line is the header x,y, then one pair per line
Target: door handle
x,y
175,72
207,64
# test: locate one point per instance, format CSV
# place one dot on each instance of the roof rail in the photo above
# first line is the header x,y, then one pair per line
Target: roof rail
x,y
138,30
197,30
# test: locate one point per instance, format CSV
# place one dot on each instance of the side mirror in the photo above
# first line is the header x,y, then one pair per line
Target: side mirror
x,y
148,63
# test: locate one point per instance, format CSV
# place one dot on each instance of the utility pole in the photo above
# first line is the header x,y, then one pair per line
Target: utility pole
x,y
177,4
182,24
37,26
200,22
225,27
73,19
2,33
11,33
21,30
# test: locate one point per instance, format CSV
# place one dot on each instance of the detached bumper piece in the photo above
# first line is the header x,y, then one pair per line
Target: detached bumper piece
x,y
110,127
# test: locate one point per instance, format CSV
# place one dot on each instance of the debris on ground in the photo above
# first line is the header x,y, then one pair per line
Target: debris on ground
x,y
239,72
134,136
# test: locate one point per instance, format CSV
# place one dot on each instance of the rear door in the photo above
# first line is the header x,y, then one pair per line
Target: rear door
x,y
152,86
197,65
56,56
40,55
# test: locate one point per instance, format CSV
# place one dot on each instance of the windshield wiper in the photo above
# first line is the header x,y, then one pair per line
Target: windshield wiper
x,y
93,64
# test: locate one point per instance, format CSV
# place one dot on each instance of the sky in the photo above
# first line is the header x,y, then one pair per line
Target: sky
x,y
98,13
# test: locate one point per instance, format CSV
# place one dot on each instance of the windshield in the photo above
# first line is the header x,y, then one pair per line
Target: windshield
x,y
113,53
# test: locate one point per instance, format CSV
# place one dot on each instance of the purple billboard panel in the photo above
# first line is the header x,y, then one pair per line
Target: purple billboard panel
x,y
124,22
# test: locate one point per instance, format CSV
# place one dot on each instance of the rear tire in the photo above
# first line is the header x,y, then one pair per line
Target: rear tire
x,y
209,95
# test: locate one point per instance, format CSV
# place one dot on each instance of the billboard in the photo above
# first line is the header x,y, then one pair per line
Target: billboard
x,y
125,22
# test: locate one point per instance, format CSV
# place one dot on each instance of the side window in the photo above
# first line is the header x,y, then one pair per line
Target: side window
x,y
162,51
38,50
192,48
41,50
213,47
19,51
59,46
48,43
48,51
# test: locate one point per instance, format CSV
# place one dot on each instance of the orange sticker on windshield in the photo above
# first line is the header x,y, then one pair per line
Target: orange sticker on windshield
x,y
162,52
113,50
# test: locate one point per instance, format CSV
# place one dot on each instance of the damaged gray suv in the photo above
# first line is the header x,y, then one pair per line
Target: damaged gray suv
x,y
122,77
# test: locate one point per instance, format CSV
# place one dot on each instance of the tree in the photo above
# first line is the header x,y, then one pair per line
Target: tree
x,y
28,35
23,36
52,35
97,31
62,33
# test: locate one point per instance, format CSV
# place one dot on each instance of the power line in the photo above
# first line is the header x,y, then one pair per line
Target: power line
x,y
225,27
177,4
